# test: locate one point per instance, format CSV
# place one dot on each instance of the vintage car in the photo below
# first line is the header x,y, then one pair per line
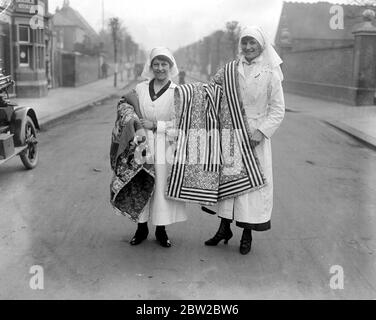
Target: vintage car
x,y
18,128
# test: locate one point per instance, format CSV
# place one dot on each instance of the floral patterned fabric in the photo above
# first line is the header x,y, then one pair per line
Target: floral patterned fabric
x,y
133,181
232,167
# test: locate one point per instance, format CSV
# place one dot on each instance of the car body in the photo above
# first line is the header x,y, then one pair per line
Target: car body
x,y
18,128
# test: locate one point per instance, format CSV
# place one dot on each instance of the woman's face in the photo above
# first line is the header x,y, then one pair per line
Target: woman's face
x,y
161,69
251,48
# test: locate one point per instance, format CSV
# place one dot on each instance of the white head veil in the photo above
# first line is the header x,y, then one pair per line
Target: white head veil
x,y
270,57
159,51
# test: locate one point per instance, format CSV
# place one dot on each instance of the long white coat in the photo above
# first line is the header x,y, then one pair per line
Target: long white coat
x,y
263,100
160,211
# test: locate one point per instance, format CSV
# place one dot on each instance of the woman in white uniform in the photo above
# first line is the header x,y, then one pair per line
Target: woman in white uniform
x,y
156,101
260,85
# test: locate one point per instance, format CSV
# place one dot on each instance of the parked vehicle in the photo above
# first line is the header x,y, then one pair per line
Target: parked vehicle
x,y
18,129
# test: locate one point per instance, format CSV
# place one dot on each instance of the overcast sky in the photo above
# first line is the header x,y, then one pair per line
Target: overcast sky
x,y
175,23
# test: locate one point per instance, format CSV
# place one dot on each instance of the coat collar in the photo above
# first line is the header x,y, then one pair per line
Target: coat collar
x,y
242,61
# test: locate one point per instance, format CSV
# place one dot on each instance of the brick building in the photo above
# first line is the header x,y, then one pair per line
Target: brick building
x,y
24,38
73,30
329,51
77,48
5,37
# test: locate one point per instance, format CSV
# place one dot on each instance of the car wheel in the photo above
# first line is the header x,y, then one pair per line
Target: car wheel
x,y
30,157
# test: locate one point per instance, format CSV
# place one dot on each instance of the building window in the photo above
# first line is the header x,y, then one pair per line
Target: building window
x,y
24,55
24,34
31,47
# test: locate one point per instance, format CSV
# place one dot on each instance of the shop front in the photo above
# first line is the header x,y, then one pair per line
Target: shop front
x,y
5,40
29,47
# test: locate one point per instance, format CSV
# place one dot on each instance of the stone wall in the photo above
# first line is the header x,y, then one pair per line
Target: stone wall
x,y
325,73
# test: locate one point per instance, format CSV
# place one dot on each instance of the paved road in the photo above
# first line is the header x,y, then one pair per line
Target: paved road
x,y
58,216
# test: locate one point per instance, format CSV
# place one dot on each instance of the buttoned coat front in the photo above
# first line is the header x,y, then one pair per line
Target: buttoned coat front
x,y
260,92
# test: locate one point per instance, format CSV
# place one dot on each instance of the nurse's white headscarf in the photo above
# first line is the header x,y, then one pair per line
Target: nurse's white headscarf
x,y
270,57
156,52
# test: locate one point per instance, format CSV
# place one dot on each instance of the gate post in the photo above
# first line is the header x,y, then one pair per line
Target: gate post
x,y
364,71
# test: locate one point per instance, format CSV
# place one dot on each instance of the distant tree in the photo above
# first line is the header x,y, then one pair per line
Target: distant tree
x,y
141,54
106,43
129,47
233,32
211,52
217,50
205,55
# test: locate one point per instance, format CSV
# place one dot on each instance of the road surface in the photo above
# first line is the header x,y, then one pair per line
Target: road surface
x,y
59,217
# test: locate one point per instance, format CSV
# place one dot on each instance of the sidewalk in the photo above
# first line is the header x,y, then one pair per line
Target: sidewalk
x,y
62,102
359,122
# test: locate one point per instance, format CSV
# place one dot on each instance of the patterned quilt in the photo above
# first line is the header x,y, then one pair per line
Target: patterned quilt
x,y
214,159
133,181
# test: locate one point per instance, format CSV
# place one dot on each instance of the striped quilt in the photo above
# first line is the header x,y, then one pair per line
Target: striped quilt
x,y
214,159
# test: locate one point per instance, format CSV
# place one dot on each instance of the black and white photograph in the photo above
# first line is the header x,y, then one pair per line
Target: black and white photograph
x,y
213,150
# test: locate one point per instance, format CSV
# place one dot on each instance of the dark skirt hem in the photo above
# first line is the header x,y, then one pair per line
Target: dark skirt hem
x,y
262,227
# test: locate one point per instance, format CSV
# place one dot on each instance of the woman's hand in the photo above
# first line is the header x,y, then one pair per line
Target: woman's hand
x,y
256,138
149,125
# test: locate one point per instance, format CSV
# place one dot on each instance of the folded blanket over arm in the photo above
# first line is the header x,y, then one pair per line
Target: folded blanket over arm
x,y
133,182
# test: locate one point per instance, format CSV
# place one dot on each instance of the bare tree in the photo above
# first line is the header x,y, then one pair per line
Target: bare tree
x,y
233,31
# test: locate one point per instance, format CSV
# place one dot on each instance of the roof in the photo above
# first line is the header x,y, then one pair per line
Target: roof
x,y
312,20
68,17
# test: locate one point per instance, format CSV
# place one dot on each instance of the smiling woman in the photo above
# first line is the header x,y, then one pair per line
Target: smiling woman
x,y
155,98
251,48
257,82
161,66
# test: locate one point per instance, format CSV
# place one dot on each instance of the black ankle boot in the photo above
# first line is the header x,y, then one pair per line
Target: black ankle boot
x,y
141,234
162,238
246,242
224,233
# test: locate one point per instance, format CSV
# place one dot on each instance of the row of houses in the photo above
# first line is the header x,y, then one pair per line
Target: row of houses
x,y
206,56
43,50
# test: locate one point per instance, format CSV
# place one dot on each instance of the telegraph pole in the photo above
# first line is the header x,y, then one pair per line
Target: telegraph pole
x,y
115,27
102,15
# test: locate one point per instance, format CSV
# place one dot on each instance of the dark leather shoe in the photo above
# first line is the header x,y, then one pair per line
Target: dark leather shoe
x,y
162,238
141,234
246,242
224,233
